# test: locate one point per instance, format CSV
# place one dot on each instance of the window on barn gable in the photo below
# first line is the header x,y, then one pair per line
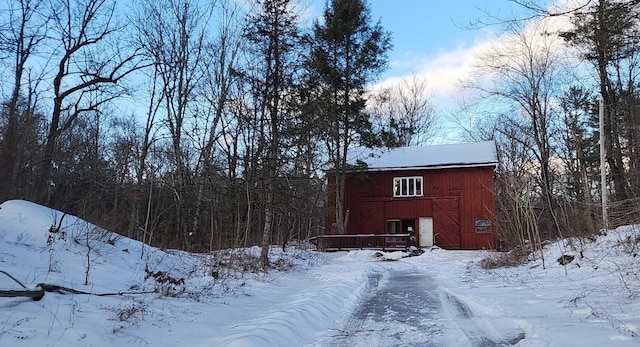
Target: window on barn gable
x,y
407,186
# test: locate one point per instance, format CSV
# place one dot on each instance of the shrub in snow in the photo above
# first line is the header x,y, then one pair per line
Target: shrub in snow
x,y
512,258
565,259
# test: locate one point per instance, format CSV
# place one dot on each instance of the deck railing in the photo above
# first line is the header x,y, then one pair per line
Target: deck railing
x,y
362,241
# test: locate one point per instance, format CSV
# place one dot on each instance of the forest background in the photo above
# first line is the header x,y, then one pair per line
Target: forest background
x,y
203,125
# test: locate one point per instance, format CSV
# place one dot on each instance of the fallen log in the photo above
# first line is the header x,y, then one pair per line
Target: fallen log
x,y
38,292
35,294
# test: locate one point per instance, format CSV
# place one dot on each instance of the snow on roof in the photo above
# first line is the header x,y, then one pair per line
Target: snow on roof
x,y
435,156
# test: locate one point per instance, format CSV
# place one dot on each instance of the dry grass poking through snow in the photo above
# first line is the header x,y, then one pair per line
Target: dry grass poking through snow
x,y
512,258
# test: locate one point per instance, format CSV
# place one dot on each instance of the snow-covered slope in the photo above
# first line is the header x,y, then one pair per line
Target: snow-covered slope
x,y
40,245
287,308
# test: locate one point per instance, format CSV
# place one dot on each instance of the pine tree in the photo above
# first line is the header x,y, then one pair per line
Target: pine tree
x,y
273,33
347,53
606,35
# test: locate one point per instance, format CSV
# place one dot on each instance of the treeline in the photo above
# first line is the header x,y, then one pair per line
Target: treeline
x,y
537,92
182,123
206,124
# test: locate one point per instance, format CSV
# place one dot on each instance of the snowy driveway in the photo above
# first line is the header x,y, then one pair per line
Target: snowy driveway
x,y
406,307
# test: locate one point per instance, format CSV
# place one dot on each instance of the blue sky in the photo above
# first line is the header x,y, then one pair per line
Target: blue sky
x,y
432,38
424,29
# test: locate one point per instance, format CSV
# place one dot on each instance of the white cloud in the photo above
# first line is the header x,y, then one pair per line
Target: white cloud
x,y
444,71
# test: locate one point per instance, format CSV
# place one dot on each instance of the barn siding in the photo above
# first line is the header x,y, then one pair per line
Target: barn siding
x,y
454,198
407,208
371,219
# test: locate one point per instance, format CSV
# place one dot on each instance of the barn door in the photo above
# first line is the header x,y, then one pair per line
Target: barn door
x,y
426,231
446,223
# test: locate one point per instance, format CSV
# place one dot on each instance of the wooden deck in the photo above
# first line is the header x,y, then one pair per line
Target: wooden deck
x,y
385,242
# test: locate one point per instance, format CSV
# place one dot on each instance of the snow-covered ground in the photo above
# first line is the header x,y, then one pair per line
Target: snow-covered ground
x,y
172,298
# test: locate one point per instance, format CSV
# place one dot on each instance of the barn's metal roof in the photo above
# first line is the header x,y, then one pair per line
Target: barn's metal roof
x,y
427,157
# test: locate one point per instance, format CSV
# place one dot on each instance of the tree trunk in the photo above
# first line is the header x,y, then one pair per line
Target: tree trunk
x,y
49,150
266,232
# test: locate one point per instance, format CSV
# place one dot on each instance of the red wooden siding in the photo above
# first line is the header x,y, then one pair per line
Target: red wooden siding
x,y
406,208
455,198
371,219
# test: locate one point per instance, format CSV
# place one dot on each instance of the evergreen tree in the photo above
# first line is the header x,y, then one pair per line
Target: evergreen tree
x,y
605,32
273,33
347,53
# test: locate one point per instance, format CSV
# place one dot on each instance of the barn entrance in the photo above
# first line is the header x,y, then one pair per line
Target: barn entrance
x,y
426,232
408,226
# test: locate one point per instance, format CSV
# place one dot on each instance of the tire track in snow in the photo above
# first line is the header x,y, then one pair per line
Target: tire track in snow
x,y
406,307
480,330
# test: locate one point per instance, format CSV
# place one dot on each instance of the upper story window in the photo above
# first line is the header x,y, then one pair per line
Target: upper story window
x,y
407,186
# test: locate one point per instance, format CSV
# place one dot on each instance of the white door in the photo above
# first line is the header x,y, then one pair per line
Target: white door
x,y
426,231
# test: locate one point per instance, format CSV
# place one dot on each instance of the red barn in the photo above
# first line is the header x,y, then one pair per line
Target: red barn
x,y
443,195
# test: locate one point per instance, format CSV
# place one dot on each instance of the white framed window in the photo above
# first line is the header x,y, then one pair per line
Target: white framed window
x,y
407,186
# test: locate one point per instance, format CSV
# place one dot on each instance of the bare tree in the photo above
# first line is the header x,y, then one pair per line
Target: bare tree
x,y
90,59
141,199
173,35
522,72
21,38
219,89
405,113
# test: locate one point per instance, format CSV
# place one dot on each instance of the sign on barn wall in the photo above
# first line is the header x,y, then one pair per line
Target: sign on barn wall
x,y
483,226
